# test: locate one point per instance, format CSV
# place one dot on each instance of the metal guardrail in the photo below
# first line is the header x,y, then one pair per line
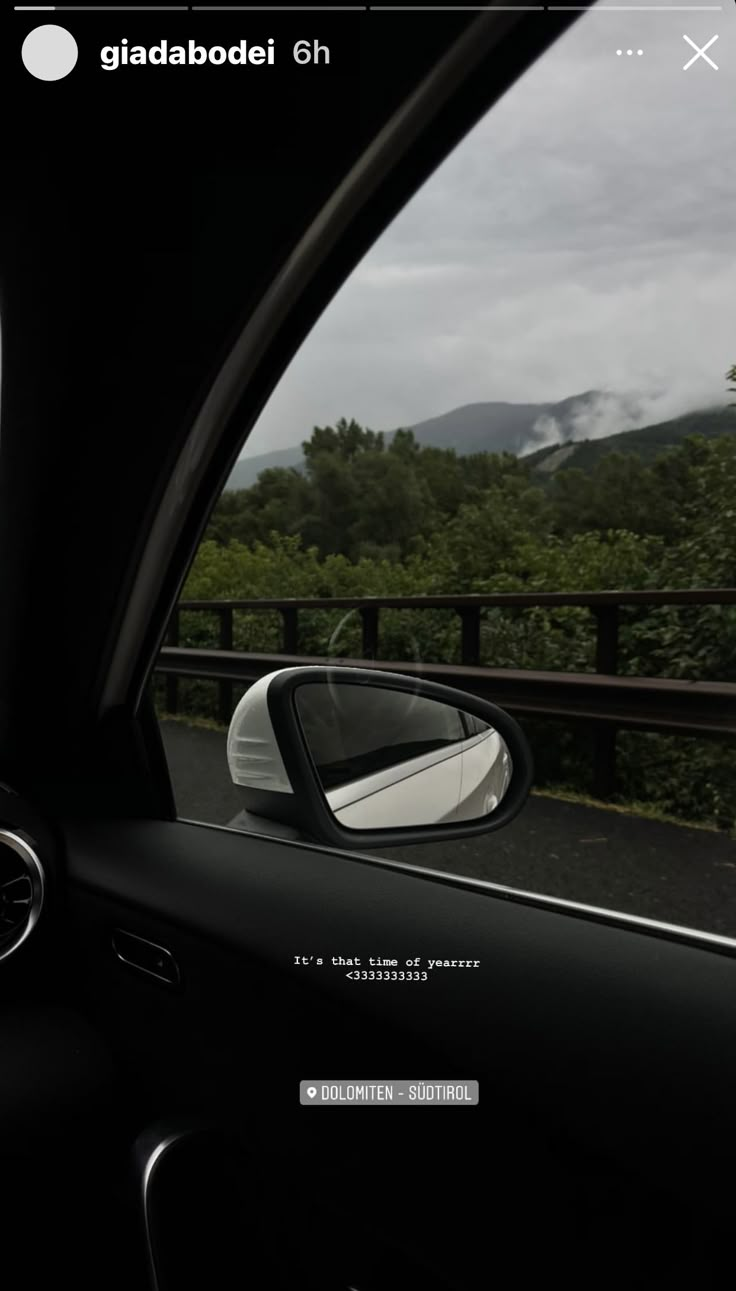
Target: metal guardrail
x,y
600,698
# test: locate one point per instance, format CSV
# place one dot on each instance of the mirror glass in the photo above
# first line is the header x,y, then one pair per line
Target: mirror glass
x,y
389,759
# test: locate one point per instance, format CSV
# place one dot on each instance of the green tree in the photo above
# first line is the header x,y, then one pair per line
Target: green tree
x,y
346,439
395,504
619,493
441,469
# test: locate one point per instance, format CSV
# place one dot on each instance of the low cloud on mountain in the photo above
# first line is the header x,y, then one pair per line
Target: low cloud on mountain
x,y
603,413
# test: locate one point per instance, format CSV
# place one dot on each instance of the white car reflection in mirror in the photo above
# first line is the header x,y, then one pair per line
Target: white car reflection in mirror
x,y
465,781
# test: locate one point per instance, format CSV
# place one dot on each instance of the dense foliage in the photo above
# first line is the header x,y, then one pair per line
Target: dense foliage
x,y
366,518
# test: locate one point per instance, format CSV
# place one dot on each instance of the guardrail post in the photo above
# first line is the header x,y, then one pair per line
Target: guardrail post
x,y
369,615
290,618
604,737
604,762
470,640
225,688
606,646
172,681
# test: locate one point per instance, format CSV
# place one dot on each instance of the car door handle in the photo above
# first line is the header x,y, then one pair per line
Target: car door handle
x,y
146,956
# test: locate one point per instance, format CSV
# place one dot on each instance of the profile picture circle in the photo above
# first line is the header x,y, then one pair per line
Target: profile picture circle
x,y
49,52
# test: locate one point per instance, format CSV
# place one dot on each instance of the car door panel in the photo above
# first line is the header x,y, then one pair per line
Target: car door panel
x,y
589,1030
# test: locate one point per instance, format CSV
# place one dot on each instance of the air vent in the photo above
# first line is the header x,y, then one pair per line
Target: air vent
x,y
21,890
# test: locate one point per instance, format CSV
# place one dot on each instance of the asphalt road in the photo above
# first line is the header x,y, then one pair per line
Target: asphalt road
x,y
601,858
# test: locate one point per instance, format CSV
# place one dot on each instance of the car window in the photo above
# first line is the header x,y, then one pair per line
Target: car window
x,y
516,421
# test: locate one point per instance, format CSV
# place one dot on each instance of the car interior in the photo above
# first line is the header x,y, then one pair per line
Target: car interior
x,y
160,996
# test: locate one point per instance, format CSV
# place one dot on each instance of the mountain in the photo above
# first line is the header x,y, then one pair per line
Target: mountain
x,y
518,427
501,427
647,442
473,428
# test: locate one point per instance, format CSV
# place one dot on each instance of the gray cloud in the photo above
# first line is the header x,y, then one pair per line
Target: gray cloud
x,y
580,237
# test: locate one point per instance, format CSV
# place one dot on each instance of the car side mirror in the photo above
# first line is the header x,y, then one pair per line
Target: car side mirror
x,y
359,758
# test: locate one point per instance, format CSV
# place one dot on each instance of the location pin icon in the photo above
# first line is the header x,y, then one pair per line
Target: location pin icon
x,y
312,1092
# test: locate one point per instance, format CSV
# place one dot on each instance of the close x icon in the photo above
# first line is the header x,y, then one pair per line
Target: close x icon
x,y
700,53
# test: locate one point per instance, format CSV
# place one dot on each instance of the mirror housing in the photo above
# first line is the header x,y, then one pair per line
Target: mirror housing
x,y
270,759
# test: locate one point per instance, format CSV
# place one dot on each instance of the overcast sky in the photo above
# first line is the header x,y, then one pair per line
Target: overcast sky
x,y
581,237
